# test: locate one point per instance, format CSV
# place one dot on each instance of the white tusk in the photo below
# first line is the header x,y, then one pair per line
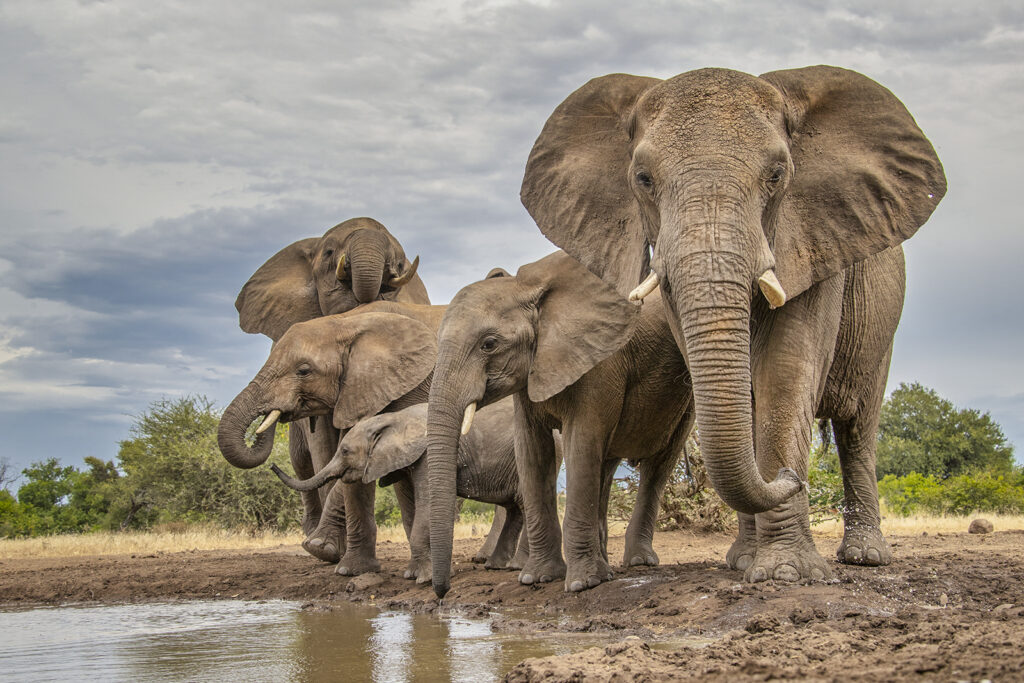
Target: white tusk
x,y
269,422
645,288
467,419
772,289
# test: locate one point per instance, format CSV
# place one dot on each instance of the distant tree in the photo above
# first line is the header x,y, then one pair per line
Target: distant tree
x,y
922,432
7,475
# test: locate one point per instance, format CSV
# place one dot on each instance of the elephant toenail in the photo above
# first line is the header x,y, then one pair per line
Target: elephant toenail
x,y
874,556
817,574
593,581
526,579
635,561
576,586
786,572
544,578
759,574
744,561
409,574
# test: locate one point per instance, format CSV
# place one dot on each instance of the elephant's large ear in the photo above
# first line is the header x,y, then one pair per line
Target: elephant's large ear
x,y
394,452
866,176
581,321
388,355
281,292
575,185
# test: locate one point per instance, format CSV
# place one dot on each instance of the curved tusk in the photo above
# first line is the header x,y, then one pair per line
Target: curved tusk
x,y
467,419
341,270
269,422
772,288
645,288
401,280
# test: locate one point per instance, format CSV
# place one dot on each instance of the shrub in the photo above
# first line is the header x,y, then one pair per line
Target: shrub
x,y
959,495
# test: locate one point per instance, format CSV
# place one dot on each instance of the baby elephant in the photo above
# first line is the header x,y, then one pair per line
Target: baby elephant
x,y
389,447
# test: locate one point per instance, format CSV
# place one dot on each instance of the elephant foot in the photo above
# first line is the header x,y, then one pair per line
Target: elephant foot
x,y
419,570
537,571
354,564
310,522
499,559
520,560
741,554
864,545
587,572
324,546
790,562
639,555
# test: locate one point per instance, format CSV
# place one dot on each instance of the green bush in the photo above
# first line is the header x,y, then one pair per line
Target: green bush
x,y
959,495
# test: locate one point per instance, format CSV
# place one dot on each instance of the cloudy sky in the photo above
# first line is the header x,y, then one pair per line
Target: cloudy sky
x,y
153,155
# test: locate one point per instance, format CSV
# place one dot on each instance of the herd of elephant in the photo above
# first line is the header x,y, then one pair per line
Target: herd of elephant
x,y
732,260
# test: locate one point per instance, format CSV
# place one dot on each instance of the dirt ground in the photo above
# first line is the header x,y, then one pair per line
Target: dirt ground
x,y
949,608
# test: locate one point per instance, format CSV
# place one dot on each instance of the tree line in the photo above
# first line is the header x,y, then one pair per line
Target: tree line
x,y
932,457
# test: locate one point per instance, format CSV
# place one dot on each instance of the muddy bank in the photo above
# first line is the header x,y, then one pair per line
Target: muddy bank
x,y
951,607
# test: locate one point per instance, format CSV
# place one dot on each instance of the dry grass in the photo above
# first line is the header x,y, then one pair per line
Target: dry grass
x,y
179,540
916,524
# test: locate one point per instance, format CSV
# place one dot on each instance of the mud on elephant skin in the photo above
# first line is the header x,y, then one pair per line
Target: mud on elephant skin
x,y
799,185
577,357
389,448
356,261
338,369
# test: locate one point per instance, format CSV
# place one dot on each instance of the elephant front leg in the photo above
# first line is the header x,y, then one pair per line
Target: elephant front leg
x,y
505,547
327,541
302,465
785,549
361,531
586,564
522,555
537,468
654,475
487,549
863,542
741,553
419,539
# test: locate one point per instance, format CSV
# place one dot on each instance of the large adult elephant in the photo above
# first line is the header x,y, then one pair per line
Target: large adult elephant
x,y
355,262
801,183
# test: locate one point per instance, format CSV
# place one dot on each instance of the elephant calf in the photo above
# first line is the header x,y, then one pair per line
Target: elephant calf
x,y
389,447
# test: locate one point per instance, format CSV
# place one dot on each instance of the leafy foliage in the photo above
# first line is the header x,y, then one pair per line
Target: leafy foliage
x,y
922,432
824,477
960,495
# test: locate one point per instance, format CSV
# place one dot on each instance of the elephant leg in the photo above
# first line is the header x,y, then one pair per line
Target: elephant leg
x,y
586,566
537,468
327,542
654,475
505,548
419,537
863,542
361,531
487,549
741,552
523,548
608,469
406,495
792,352
302,465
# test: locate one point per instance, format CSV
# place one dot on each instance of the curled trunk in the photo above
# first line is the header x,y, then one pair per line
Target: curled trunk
x,y
367,258
327,474
241,413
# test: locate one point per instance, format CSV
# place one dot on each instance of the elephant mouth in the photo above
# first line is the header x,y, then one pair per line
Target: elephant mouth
x,y
351,476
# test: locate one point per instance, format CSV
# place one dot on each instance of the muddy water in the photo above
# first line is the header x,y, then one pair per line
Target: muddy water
x,y
258,641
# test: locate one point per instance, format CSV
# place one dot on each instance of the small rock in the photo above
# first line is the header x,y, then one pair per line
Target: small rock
x,y
943,599
980,526
761,623
364,581
1001,608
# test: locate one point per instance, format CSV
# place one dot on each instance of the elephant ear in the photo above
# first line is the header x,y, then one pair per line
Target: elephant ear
x,y
281,292
388,355
497,272
581,321
575,183
866,178
395,452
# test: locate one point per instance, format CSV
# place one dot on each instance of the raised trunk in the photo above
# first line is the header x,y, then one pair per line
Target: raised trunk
x,y
233,424
366,256
444,418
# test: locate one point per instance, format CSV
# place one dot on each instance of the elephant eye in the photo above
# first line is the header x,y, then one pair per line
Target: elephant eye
x,y
328,253
775,178
304,371
489,344
644,180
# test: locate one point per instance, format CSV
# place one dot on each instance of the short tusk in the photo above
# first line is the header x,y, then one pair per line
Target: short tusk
x,y
269,422
772,289
340,272
467,419
400,281
645,288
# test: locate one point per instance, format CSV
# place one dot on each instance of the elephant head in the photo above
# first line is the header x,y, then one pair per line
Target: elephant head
x,y
372,449
539,331
740,183
354,263
347,366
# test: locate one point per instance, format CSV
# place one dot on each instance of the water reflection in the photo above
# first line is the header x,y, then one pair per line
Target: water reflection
x,y
258,641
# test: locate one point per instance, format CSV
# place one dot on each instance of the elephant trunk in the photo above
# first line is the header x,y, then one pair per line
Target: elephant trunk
x,y
711,290
239,414
328,473
444,419
367,255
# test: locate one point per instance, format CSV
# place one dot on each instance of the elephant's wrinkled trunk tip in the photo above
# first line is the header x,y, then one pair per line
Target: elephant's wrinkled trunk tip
x,y
316,481
645,288
341,271
269,421
402,280
467,418
772,288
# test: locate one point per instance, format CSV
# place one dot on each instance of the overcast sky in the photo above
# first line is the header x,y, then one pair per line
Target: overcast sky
x,y
153,155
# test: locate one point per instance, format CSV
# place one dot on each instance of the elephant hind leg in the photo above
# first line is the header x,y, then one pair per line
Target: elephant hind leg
x,y
654,475
487,549
505,547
